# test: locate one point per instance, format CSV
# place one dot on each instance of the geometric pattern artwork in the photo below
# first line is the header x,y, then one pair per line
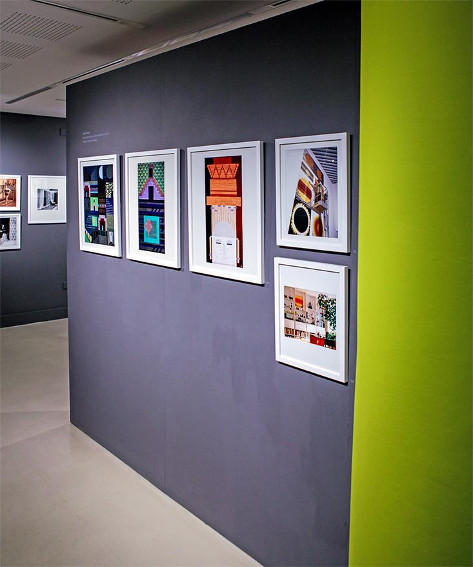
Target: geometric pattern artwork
x,y
310,210
151,214
152,196
98,204
223,190
13,229
225,200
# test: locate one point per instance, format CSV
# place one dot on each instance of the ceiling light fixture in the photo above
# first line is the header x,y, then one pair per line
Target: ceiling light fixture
x,y
27,95
89,72
65,81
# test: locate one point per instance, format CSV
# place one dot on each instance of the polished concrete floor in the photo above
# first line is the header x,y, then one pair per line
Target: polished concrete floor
x,y
65,500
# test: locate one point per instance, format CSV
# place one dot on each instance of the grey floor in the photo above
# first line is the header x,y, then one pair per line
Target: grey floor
x,y
65,500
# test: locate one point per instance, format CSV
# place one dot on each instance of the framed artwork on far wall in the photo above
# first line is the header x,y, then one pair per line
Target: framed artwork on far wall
x,y
10,232
46,199
313,192
225,199
10,192
152,207
311,315
99,205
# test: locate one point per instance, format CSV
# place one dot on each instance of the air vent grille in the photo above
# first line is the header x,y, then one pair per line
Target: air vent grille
x,y
4,66
122,1
17,50
34,26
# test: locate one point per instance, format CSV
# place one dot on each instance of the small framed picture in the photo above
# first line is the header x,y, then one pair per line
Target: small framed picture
x,y
10,192
152,207
10,232
46,199
99,205
311,307
313,192
225,185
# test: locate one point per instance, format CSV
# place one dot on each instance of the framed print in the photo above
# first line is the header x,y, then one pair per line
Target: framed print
x,y
10,192
225,194
99,205
10,232
46,199
152,207
311,308
313,192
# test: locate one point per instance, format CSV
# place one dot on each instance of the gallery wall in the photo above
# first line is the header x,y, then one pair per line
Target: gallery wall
x,y
33,278
175,372
412,474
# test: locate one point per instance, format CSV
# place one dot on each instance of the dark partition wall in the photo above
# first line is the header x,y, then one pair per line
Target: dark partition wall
x,y
175,372
33,278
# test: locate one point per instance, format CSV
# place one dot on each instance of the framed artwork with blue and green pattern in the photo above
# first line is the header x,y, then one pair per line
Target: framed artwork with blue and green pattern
x,y
152,197
99,205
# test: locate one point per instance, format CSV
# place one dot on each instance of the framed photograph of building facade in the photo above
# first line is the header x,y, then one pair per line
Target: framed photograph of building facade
x,y
10,232
152,207
46,199
10,192
313,192
311,310
99,205
225,199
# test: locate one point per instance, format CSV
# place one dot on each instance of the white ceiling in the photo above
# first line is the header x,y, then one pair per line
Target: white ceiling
x,y
45,44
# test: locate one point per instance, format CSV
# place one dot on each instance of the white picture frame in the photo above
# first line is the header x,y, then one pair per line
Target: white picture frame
x,y
46,199
311,317
10,193
225,205
313,192
97,238
10,236
153,221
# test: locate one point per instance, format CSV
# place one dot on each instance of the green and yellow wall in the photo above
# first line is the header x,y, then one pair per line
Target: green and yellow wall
x,y
412,459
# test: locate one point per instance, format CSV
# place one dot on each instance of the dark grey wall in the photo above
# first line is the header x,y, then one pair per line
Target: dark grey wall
x,y
32,278
174,372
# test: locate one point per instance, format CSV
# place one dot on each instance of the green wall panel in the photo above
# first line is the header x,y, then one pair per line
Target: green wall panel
x,y
411,484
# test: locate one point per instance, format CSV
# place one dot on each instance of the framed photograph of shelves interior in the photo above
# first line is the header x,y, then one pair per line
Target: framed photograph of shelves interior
x,y
313,192
311,310
10,192
225,199
152,207
99,205
10,232
46,199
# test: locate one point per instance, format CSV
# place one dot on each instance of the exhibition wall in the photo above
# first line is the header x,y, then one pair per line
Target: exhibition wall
x,y
412,475
33,279
175,372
